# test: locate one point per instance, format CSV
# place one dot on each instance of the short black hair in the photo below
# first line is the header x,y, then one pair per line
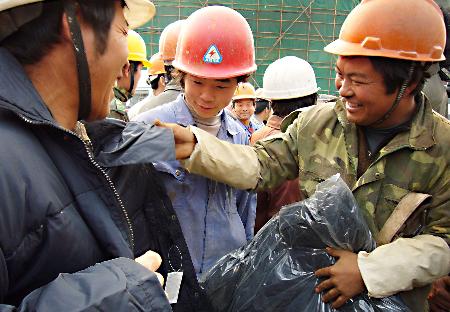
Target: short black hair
x,y
261,105
180,75
33,40
134,66
396,71
282,108
155,82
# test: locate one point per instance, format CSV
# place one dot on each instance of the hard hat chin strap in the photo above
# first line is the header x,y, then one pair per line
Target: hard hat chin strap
x,y
122,94
84,80
400,93
133,70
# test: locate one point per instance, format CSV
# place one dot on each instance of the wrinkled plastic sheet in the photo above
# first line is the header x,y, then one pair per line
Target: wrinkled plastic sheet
x,y
275,271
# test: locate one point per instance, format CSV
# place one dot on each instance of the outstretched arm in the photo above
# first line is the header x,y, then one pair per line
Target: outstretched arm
x,y
265,165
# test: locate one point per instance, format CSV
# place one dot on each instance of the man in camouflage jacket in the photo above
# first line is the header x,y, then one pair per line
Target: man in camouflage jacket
x,y
382,138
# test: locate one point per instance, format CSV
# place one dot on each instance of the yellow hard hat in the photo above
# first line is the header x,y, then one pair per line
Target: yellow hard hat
x,y
244,90
157,65
136,48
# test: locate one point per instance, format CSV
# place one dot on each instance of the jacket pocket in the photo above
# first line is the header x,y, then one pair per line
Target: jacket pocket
x,y
392,195
310,178
172,168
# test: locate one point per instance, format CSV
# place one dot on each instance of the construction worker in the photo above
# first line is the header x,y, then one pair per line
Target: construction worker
x,y
384,140
131,73
290,84
263,110
435,87
243,106
156,74
84,222
215,53
156,80
167,47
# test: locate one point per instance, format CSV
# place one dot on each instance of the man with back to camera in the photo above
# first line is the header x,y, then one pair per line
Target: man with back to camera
x,y
290,84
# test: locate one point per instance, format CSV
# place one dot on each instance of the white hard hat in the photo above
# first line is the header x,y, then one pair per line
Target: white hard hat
x,y
137,12
288,78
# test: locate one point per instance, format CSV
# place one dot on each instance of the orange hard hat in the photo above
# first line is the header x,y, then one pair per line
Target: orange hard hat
x,y
157,65
168,40
401,29
244,90
217,43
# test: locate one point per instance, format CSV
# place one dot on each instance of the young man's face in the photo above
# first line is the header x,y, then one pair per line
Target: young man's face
x,y
137,77
125,81
207,97
106,68
244,109
363,90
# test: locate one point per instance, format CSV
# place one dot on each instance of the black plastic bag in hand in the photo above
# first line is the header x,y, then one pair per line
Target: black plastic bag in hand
x,y
275,271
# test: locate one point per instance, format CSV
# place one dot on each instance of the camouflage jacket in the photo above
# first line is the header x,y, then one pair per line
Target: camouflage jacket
x,y
321,142
117,110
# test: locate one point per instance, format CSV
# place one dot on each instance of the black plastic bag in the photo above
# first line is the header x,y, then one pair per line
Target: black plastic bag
x,y
275,271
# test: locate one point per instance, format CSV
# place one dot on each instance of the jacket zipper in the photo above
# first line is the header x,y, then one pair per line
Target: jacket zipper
x,y
130,233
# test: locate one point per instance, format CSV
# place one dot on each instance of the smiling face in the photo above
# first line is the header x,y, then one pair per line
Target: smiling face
x,y
105,68
207,97
363,90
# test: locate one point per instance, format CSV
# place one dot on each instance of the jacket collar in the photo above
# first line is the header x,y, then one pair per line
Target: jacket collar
x,y
184,117
419,137
173,85
17,92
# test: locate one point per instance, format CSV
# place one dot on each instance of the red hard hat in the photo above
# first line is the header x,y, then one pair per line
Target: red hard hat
x,y
217,43
168,40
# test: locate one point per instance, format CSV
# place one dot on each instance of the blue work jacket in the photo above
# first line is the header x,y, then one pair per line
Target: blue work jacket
x,y
215,218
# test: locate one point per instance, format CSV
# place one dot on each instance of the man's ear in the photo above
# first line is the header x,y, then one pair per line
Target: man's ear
x,y
411,88
162,80
126,70
65,29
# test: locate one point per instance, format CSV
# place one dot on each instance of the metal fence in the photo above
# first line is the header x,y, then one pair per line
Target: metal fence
x,y
287,27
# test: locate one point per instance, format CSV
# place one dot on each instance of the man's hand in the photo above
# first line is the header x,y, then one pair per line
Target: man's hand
x,y
439,297
184,139
151,261
344,282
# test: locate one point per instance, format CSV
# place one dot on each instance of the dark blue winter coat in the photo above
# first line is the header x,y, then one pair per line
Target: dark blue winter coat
x,y
71,218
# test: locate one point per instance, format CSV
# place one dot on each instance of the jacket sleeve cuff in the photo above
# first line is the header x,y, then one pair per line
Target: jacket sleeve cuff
x,y
216,159
404,264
